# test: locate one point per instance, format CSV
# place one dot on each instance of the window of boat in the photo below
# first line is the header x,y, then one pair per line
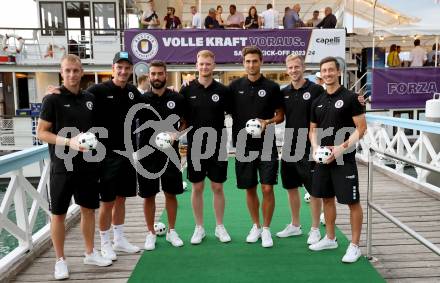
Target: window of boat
x,y
52,18
104,18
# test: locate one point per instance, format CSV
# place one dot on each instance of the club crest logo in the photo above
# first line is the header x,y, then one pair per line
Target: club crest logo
x,y
215,97
171,104
306,95
261,93
131,95
89,105
339,103
144,46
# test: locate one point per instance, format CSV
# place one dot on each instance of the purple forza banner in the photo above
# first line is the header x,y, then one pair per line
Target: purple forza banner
x,y
181,46
404,87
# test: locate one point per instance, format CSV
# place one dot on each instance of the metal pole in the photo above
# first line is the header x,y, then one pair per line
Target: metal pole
x,y
14,88
200,12
96,78
353,12
369,199
125,14
374,33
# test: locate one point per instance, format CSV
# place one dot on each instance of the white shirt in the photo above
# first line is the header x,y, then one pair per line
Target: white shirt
x,y
417,56
270,18
196,21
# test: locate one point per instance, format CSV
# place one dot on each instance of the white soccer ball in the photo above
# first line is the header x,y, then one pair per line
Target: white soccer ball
x,y
163,140
307,197
322,154
185,185
253,127
88,140
160,228
322,219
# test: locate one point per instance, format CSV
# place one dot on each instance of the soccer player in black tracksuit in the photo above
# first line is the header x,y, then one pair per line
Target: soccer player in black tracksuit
x,y
298,98
252,97
70,108
205,106
340,109
117,175
166,102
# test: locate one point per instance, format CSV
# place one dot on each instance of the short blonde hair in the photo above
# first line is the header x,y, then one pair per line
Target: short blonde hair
x,y
293,57
205,54
71,58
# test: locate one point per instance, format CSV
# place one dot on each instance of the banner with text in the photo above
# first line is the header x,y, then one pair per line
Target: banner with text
x,y
181,46
404,87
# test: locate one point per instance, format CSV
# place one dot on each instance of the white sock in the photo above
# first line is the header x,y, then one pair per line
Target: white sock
x,y
118,231
105,236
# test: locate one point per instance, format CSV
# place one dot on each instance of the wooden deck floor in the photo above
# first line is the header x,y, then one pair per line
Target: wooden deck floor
x,y
399,257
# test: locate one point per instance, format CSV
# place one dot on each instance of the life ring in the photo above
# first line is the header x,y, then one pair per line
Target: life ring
x,y
5,44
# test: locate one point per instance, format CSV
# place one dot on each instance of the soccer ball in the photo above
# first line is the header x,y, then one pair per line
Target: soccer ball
x,y
322,219
322,154
160,228
307,197
253,127
88,140
185,185
163,140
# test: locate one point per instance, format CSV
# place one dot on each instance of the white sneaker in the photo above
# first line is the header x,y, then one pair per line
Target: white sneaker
x,y
324,244
352,254
174,238
123,245
254,234
198,235
95,258
322,219
266,238
314,236
61,271
222,234
107,251
290,230
150,241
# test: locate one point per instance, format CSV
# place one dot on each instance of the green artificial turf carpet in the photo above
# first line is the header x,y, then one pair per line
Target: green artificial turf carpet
x,y
289,260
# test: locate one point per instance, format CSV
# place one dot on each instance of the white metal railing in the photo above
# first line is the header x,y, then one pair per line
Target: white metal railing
x,y
422,145
17,193
18,133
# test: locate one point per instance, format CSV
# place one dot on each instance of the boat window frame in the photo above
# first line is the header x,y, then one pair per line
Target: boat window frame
x,y
96,32
45,31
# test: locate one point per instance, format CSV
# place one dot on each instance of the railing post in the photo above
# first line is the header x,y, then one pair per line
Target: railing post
x,y
400,149
21,212
369,209
423,157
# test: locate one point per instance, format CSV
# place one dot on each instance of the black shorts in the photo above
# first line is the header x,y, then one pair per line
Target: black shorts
x,y
117,177
83,186
170,181
212,168
297,174
247,172
331,180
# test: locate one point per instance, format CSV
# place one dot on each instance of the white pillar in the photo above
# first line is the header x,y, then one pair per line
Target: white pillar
x,y
14,87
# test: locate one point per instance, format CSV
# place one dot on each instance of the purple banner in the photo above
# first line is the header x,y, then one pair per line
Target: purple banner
x,y
181,46
404,87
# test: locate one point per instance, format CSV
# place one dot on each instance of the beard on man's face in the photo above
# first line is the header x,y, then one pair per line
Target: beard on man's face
x,y
158,84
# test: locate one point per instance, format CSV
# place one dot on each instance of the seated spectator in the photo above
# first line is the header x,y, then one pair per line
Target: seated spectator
x,y
172,21
431,55
235,19
286,12
210,21
315,20
417,56
269,17
393,59
219,17
196,18
329,20
150,19
252,21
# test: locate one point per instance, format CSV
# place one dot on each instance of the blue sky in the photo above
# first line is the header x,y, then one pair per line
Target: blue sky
x,y
22,13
